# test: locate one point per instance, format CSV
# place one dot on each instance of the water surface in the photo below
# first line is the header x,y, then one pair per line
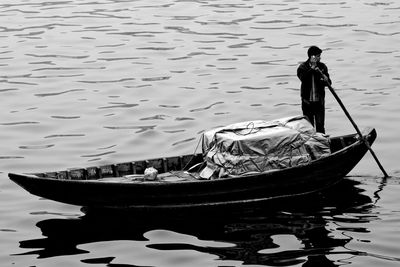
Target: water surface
x,y
86,83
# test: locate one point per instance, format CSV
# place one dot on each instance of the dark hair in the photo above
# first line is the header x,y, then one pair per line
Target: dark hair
x,y
313,51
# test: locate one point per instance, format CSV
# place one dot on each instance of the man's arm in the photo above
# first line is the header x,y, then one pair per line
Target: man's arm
x,y
303,71
323,71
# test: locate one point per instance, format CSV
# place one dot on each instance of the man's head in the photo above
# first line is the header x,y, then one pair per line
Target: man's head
x,y
314,51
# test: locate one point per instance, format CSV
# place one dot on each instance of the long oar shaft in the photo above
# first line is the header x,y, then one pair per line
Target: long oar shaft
x,y
357,129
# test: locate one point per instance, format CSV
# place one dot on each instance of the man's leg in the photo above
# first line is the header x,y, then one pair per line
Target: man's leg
x,y
307,111
320,117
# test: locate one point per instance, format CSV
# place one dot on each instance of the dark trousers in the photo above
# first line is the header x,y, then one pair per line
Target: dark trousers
x,y
315,113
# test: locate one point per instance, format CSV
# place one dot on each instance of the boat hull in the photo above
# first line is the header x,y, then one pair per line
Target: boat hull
x,y
293,181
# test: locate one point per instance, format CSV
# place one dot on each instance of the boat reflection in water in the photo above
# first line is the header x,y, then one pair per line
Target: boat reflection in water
x,y
251,235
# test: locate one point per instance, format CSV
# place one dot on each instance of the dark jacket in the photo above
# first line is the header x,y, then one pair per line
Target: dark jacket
x,y
304,72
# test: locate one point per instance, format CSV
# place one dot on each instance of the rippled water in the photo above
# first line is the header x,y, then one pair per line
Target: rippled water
x,y
93,82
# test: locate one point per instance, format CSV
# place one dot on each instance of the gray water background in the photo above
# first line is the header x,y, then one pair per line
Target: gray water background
x,y
86,83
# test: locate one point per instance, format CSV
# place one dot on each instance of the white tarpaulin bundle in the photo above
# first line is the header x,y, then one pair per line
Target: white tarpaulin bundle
x,y
258,146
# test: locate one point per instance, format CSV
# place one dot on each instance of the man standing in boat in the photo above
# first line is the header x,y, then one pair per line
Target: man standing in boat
x,y
314,75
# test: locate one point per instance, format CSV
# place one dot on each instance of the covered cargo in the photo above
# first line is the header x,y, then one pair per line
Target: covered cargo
x,y
258,146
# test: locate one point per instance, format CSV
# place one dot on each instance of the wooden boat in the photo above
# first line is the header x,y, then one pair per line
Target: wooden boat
x,y
117,186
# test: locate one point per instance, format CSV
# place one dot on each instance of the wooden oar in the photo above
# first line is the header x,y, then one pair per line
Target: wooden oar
x,y
356,127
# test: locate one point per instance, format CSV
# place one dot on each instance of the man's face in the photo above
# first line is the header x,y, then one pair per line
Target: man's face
x,y
317,58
